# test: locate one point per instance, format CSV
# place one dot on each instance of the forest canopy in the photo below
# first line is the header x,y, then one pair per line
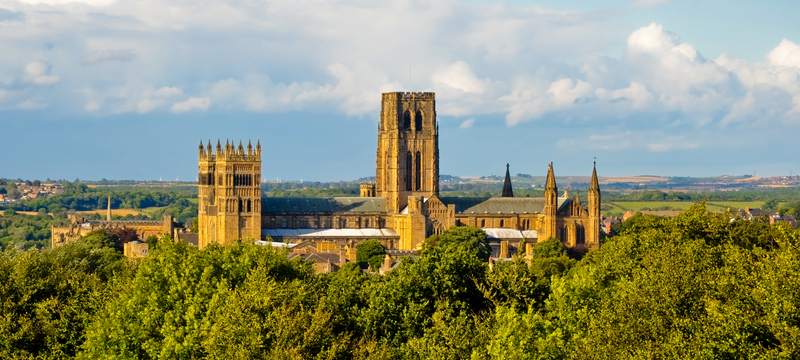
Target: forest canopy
x,y
698,285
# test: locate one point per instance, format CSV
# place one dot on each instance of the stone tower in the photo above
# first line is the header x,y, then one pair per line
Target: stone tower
x,y
229,193
408,148
549,228
593,235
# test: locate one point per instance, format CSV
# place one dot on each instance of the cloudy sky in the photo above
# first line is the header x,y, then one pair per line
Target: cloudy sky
x,y
126,89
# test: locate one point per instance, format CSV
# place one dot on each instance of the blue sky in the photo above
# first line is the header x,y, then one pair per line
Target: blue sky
x,y
126,89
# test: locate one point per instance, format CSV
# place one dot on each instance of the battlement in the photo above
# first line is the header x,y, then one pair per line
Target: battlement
x,y
230,152
398,96
367,190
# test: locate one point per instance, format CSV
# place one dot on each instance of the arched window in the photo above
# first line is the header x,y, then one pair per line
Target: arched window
x,y
409,168
418,172
406,120
344,223
483,223
249,206
303,223
240,204
328,224
366,223
284,223
502,223
418,120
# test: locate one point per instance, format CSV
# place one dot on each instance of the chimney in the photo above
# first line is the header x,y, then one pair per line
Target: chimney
x,y
108,214
387,263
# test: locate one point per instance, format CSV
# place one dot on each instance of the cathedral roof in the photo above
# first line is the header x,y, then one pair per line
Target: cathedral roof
x,y
336,204
499,205
329,233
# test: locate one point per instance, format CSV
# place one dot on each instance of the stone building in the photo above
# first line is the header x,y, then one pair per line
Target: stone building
x,y
79,226
401,209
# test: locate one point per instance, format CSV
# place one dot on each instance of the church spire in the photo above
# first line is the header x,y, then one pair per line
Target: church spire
x,y
507,191
595,185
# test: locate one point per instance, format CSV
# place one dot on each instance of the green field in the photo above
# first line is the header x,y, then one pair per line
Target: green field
x,y
620,207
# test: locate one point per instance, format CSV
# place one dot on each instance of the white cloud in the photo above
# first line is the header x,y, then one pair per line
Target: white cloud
x,y
787,53
566,91
109,55
91,106
191,104
30,104
38,72
648,3
467,124
526,63
459,76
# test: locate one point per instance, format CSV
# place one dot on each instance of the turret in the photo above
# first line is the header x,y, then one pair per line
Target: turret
x,y
249,148
208,148
507,191
367,190
258,148
550,204
201,153
219,148
593,233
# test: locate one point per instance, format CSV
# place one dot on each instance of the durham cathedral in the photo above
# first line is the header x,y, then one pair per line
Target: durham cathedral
x,y
401,208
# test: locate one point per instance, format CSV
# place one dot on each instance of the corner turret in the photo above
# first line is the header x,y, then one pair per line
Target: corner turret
x,y
593,233
550,205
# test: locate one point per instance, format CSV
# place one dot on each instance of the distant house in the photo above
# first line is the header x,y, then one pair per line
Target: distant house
x,y
608,223
789,219
751,213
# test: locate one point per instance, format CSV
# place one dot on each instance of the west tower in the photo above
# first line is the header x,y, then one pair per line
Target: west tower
x,y
229,193
408,148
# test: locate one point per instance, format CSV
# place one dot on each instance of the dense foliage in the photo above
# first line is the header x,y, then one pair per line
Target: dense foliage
x,y
694,286
25,231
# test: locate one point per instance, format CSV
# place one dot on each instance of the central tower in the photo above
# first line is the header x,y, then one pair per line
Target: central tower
x,y
408,148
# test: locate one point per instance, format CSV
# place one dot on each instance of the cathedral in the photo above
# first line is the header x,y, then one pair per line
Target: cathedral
x,y
401,208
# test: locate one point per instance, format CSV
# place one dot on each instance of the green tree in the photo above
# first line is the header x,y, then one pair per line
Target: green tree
x,y
370,252
470,238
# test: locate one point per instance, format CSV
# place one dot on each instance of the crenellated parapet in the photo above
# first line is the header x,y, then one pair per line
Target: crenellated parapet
x,y
399,95
230,151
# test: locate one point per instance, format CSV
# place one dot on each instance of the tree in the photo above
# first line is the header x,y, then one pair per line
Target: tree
x,y
471,238
37,183
370,252
13,192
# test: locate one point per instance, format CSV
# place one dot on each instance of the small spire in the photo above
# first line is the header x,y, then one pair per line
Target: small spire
x,y
241,148
551,178
507,190
595,185
249,147
219,148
